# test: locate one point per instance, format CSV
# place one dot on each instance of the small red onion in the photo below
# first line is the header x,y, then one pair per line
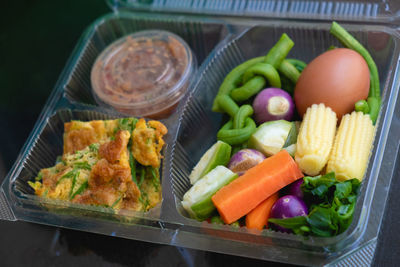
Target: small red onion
x,y
245,159
273,104
295,189
287,207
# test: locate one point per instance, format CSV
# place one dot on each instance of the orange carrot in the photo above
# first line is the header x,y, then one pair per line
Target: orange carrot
x,y
258,217
257,184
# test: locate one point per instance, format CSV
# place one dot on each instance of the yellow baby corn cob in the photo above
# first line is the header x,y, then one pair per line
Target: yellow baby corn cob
x,y
353,143
316,135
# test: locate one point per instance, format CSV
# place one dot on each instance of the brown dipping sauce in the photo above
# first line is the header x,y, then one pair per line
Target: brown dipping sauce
x,y
143,74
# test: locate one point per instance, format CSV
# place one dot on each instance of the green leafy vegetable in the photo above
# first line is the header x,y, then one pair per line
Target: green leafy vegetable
x,y
155,180
94,147
127,124
117,201
68,175
132,164
80,190
76,175
83,165
331,205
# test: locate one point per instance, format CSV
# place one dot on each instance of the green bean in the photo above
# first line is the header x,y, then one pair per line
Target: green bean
x,y
266,70
299,64
236,136
350,42
227,105
362,106
279,51
374,106
240,117
253,84
289,70
252,87
233,79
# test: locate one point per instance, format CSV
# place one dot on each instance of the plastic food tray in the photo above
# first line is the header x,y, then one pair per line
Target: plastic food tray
x,y
239,31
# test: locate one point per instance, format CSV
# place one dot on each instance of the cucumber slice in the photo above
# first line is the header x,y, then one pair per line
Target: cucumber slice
x,y
197,201
218,154
270,136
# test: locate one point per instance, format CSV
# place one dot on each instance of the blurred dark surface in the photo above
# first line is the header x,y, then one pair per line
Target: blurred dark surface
x,y
36,39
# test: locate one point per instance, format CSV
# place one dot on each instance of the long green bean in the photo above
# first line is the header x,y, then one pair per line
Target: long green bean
x,y
279,51
239,119
252,87
227,105
299,64
289,70
374,106
236,136
233,80
263,69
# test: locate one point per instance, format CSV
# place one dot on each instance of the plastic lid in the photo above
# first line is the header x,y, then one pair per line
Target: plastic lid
x,y
387,11
143,73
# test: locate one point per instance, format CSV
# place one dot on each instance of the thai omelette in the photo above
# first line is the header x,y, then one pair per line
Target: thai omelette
x,y
111,163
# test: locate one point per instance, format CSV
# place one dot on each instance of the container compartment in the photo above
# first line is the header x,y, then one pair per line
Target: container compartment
x,y
199,125
201,35
43,153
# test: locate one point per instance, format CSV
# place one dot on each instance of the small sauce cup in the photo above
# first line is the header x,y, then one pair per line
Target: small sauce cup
x,y
143,74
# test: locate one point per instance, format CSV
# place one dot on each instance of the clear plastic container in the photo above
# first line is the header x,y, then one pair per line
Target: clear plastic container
x,y
143,74
219,45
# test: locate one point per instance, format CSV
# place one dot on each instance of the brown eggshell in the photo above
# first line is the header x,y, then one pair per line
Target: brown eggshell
x,y
338,78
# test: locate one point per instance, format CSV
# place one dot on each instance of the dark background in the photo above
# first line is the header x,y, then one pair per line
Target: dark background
x,y
36,39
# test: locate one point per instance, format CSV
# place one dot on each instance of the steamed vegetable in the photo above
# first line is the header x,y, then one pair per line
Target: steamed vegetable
x,y
273,104
264,70
287,207
232,81
331,206
270,137
338,78
197,201
352,147
245,159
218,154
315,139
289,70
236,136
257,184
258,217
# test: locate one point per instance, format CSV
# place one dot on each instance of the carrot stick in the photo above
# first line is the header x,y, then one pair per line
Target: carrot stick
x,y
260,182
258,217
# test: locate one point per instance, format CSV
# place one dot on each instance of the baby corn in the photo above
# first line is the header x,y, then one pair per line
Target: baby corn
x,y
315,140
353,143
